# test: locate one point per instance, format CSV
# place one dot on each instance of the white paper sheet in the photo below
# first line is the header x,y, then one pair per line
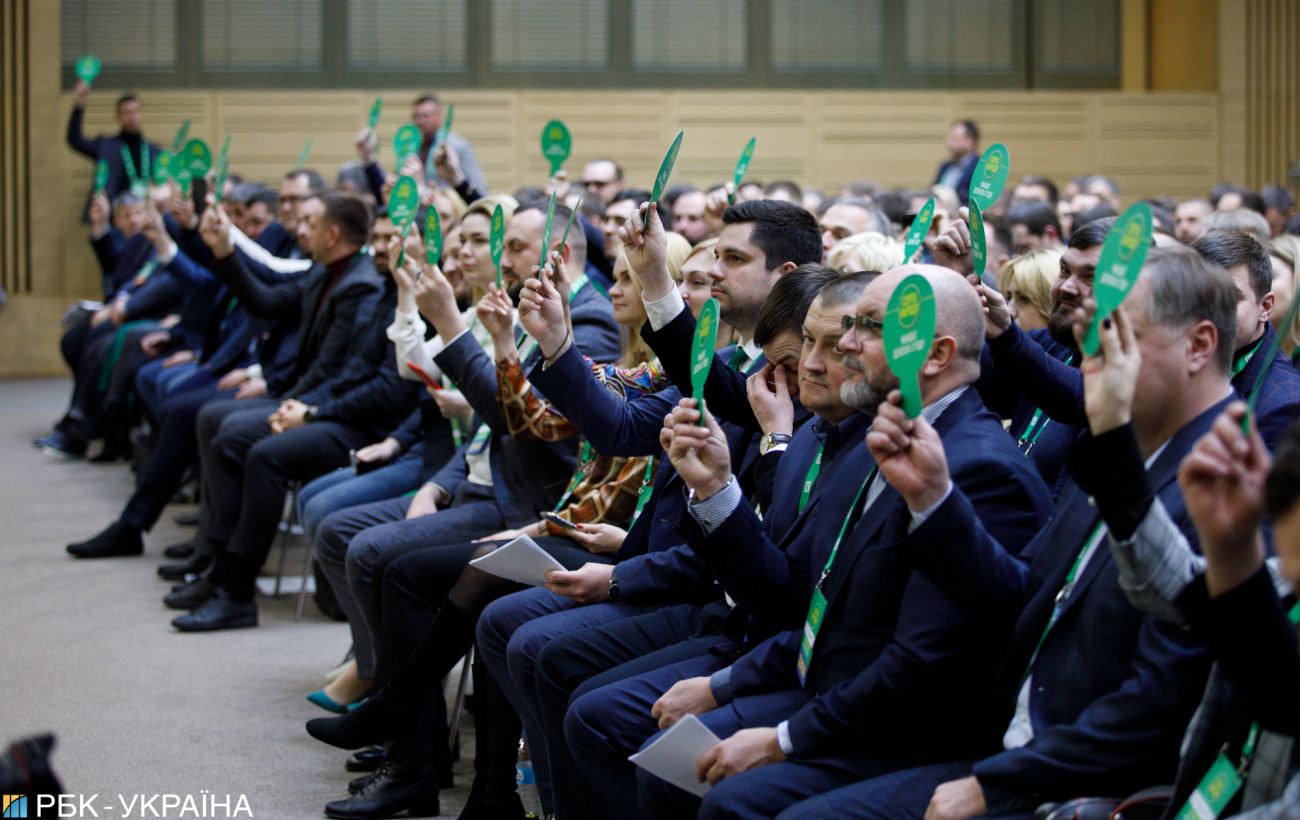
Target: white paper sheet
x,y
521,561
672,757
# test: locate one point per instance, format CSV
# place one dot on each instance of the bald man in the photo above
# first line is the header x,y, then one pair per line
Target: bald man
x,y
880,652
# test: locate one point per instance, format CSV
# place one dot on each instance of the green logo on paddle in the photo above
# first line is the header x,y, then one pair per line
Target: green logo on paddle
x,y
990,176
1122,256
557,144
706,336
404,201
87,69
907,335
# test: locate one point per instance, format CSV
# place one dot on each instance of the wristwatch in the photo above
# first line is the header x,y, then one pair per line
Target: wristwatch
x,y
771,441
614,593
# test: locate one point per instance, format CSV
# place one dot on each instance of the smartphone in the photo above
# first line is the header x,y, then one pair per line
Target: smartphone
x,y
199,196
557,520
425,377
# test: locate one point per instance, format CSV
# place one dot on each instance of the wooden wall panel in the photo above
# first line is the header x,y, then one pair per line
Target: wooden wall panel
x,y
1272,89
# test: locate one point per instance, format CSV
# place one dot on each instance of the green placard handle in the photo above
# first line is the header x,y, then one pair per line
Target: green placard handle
x,y
706,336
498,239
182,134
917,232
305,153
101,175
376,109
979,251
742,168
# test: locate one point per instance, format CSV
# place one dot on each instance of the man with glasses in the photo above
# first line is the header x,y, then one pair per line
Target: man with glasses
x,y
603,178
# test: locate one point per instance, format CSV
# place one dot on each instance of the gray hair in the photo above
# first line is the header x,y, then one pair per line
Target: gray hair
x,y
1186,288
1242,220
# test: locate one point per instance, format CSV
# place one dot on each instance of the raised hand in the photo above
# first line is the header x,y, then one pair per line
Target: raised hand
x,y
717,202
453,405
646,245
1222,480
909,454
496,312
772,406
698,452
997,316
953,249
541,312
366,143
1110,376
447,164
437,302
100,213
214,229
80,94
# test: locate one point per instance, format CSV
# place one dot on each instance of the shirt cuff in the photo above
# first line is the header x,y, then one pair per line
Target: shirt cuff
x,y
664,309
720,686
254,371
165,258
783,738
919,516
711,512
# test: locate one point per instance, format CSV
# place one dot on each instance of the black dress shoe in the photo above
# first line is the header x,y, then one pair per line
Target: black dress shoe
x,y
446,780
66,445
367,759
178,552
221,612
118,540
505,806
374,721
191,596
186,520
397,787
177,572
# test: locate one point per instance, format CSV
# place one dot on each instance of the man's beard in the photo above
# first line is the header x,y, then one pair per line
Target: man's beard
x,y
1060,325
861,395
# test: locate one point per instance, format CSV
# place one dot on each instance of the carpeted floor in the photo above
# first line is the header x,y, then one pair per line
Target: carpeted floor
x,y
87,652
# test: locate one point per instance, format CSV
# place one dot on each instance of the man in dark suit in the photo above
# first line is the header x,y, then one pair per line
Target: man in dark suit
x,y
1248,263
1091,696
887,649
250,453
129,156
963,145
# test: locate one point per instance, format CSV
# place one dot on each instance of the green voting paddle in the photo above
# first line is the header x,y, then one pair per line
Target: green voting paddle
x,y
666,168
742,168
197,158
557,144
546,233
376,109
432,236
101,175
87,69
181,134
220,184
305,153
990,176
573,217
1122,255
907,334
917,232
979,252
404,200
498,239
441,136
406,142
162,167
706,336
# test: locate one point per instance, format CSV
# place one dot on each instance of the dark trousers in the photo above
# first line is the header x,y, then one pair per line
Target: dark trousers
x,y
585,660
247,469
903,795
174,453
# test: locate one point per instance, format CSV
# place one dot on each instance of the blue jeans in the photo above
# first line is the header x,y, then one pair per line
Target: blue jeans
x,y
343,488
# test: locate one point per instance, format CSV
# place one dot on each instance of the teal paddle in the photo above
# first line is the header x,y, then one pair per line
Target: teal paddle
x,y
1122,256
706,336
907,334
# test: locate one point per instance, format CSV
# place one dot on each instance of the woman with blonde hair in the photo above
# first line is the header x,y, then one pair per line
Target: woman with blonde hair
x,y
869,251
1284,253
1026,284
629,309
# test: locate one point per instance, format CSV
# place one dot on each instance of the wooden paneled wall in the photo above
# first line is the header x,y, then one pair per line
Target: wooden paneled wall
x,y
1151,143
15,249
1272,89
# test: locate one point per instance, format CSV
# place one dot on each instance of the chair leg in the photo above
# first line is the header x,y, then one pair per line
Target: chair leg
x,y
306,573
458,707
287,519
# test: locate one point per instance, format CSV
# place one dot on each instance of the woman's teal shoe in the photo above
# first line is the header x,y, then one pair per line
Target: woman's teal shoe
x,y
327,703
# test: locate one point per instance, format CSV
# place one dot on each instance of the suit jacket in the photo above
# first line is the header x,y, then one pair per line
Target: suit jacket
x,y
968,172
770,574
120,259
528,476
108,149
325,332
1112,689
894,656
1279,393
725,392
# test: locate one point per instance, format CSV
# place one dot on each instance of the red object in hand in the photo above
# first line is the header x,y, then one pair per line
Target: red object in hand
x,y
429,380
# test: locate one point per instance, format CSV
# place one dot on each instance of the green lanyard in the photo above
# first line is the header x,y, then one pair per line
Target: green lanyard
x,y
528,344
1030,436
647,490
479,441
1064,593
1223,780
817,607
739,358
129,165
810,479
1240,364
584,459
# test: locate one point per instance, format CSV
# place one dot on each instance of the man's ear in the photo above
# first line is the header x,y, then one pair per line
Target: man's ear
x,y
1050,234
1266,307
1202,345
942,353
785,268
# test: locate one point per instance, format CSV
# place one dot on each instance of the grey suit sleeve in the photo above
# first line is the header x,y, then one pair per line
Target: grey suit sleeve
x,y
1155,564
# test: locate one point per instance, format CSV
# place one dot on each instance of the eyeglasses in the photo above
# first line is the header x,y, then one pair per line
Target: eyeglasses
x,y
863,324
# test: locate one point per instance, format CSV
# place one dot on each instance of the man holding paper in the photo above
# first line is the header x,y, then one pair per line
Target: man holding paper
x,y
881,651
